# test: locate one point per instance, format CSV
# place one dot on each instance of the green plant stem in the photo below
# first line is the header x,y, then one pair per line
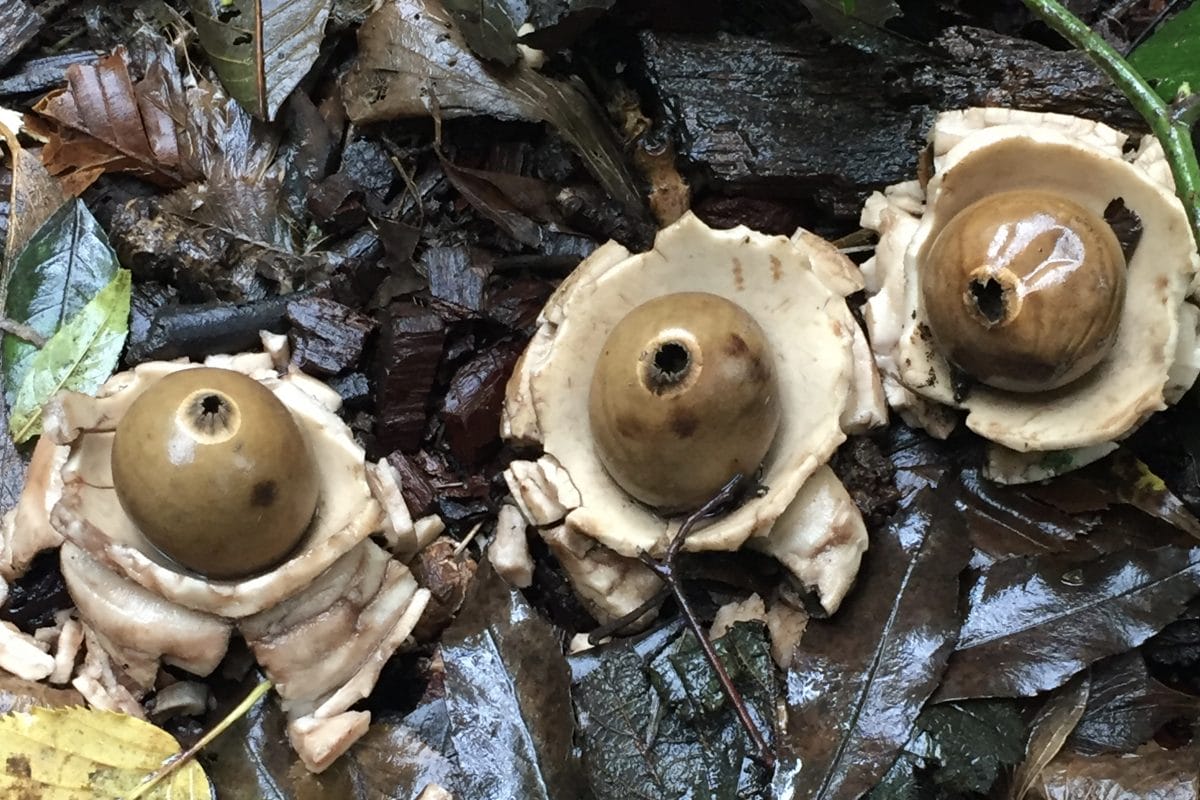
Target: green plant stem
x,y
175,762
1174,134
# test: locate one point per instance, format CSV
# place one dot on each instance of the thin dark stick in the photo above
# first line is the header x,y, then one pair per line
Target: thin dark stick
x,y
665,570
22,332
625,620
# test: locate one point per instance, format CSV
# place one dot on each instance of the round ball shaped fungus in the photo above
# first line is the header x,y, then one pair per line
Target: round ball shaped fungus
x,y
683,398
1024,290
215,472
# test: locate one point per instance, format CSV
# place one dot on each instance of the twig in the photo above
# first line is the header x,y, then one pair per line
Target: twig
x,y
1174,135
175,762
22,331
625,620
665,570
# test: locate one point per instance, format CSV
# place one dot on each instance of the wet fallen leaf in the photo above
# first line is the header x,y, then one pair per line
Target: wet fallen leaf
x,y
487,28
1049,731
77,753
971,741
108,123
859,680
261,49
412,61
655,723
1158,775
253,760
34,196
64,265
1127,707
79,356
508,695
1033,622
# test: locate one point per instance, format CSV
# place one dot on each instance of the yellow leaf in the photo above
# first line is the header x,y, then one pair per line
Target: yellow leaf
x,y
87,754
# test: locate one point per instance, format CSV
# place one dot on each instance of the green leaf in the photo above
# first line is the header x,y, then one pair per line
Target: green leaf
x,y
80,356
66,262
971,740
1171,57
261,49
856,22
655,723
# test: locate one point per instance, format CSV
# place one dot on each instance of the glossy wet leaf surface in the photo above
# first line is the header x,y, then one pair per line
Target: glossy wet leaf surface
x,y
62,267
508,697
859,680
1126,707
395,760
654,722
1034,621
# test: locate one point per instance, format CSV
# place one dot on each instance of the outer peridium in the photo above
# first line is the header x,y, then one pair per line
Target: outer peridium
x,y
321,624
795,289
977,152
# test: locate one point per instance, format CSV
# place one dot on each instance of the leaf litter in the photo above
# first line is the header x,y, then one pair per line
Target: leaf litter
x,y
407,206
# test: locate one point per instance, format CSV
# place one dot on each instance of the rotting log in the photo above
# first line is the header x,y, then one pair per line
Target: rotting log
x,y
806,120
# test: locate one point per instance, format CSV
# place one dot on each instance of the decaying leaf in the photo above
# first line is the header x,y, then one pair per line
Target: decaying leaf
x,y
79,356
18,694
1157,775
1168,58
656,724
858,680
508,694
87,753
253,760
34,197
60,270
1049,731
413,62
261,49
487,28
1033,622
105,122
1127,707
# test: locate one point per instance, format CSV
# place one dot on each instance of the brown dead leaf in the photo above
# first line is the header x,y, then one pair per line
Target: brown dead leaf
x,y
1157,775
105,122
34,198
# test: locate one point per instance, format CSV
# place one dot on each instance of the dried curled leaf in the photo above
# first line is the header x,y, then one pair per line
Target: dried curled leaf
x,y
261,49
108,123
69,753
1049,731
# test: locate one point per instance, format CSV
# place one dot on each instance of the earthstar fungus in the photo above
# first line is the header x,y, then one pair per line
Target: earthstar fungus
x,y
130,484
716,351
1002,288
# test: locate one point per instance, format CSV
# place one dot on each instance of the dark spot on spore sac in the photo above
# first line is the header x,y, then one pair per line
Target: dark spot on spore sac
x,y
630,427
263,494
683,423
18,767
736,346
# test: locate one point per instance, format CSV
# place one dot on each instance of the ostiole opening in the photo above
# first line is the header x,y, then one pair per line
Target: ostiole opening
x,y
212,416
992,298
669,365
